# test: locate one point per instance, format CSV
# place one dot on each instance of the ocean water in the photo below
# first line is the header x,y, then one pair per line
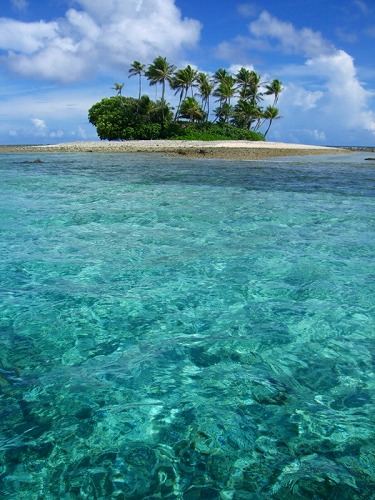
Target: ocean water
x,y
186,329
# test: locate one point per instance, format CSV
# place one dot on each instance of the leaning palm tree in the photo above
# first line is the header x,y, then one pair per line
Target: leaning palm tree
x,y
137,69
179,88
274,88
254,88
270,113
160,71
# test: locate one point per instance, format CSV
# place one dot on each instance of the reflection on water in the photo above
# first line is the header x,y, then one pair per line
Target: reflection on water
x,y
186,329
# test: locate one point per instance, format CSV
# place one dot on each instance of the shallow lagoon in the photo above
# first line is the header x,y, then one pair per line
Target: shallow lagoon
x,y
186,329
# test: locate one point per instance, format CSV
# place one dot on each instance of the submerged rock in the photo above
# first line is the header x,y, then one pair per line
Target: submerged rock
x,y
269,392
38,160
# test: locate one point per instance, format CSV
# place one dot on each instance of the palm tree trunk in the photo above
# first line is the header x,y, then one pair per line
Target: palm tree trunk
x,y
269,126
162,102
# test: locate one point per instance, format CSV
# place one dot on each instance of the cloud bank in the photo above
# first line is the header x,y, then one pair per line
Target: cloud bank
x,y
99,35
331,73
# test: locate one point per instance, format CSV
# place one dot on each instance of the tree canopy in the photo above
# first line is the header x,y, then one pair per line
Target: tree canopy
x,y
238,114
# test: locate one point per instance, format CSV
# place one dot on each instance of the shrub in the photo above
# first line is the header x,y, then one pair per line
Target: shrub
x,y
216,132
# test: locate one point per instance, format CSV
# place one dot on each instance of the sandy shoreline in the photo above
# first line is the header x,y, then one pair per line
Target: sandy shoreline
x,y
240,150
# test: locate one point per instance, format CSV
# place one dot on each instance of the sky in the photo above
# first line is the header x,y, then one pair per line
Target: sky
x,y
59,57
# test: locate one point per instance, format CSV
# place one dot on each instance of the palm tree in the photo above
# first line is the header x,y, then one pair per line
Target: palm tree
x,y
146,107
225,91
118,87
223,112
270,113
137,68
206,87
191,109
176,85
274,88
220,75
160,71
244,113
183,80
188,77
254,89
161,112
244,80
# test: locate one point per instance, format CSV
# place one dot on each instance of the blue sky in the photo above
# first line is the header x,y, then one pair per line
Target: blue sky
x,y
58,57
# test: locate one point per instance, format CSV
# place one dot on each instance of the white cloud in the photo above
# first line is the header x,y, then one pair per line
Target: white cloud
x,y
56,134
362,6
38,123
62,64
247,9
20,5
342,100
297,96
26,38
348,98
346,36
39,127
48,113
235,68
101,35
240,50
80,133
304,41
316,135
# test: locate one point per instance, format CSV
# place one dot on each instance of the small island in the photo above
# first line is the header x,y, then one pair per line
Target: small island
x,y
121,118
237,130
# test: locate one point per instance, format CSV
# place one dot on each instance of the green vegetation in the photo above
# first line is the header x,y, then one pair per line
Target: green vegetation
x,y
238,114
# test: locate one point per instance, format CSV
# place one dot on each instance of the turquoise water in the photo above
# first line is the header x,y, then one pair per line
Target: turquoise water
x,y
186,329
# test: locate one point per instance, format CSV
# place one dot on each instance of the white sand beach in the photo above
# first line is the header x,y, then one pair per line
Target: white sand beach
x,y
240,150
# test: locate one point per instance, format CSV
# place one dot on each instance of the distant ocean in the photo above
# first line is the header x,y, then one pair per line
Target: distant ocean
x,y
360,148
187,329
